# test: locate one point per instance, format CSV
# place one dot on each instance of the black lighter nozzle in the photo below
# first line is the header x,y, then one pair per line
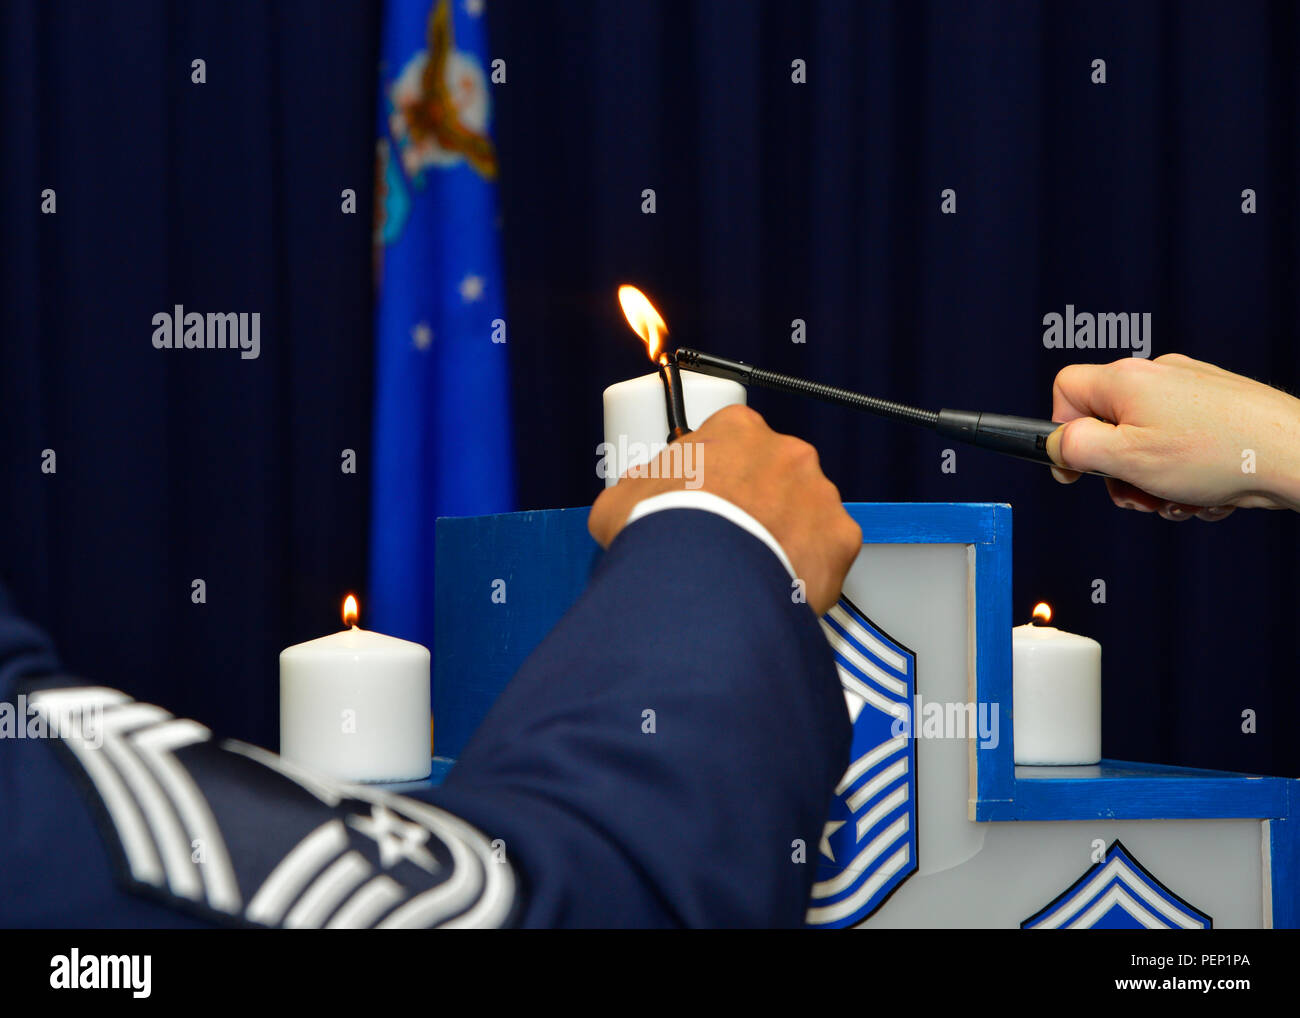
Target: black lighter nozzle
x,y
1025,437
719,367
674,398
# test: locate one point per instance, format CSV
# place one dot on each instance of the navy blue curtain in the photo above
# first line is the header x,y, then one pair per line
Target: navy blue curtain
x,y
177,465
775,201
821,202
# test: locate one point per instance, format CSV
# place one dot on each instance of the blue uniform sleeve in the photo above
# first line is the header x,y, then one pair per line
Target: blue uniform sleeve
x,y
54,868
24,649
666,757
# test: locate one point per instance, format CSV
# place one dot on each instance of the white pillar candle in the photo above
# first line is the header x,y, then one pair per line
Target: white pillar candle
x,y
1056,691
355,705
636,418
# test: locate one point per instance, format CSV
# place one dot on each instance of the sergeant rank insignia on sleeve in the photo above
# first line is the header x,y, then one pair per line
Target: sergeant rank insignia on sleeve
x,y
233,832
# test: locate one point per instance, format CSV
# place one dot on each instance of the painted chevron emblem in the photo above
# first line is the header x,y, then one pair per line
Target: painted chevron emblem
x,y
1118,893
868,845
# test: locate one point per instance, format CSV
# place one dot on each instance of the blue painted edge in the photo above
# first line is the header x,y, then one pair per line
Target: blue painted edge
x,y
931,522
1284,856
1208,795
994,765
986,527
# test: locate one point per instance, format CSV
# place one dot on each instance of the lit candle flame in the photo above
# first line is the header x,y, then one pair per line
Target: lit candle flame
x,y
350,611
646,322
1042,613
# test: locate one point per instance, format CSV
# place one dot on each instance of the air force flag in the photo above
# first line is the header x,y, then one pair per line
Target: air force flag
x,y
868,845
442,434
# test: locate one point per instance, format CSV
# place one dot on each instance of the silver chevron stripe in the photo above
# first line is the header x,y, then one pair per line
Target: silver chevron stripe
x,y
1118,872
364,908
328,891
156,746
479,892
497,890
295,871
123,811
157,809
182,875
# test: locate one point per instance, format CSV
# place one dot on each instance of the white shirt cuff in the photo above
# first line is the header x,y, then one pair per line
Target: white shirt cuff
x,y
689,499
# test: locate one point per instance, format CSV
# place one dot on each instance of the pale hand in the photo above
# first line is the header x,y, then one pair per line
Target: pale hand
x,y
1177,436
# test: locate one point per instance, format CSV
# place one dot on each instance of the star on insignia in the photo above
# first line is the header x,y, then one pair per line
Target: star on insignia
x,y
397,839
825,847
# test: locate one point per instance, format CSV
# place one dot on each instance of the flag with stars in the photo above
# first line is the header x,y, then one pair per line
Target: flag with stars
x,y
442,424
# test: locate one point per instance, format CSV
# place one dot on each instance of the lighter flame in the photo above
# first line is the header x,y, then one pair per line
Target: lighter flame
x,y
350,611
1042,612
646,322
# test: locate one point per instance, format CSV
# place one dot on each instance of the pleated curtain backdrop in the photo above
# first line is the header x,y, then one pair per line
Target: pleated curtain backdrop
x,y
774,201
